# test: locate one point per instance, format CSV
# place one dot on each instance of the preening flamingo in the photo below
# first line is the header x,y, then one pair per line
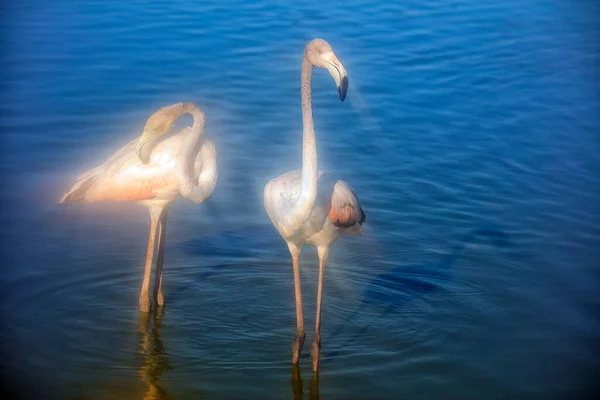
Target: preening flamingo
x,y
309,206
153,173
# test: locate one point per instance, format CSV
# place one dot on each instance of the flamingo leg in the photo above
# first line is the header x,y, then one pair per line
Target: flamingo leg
x,y
299,340
155,213
315,348
160,257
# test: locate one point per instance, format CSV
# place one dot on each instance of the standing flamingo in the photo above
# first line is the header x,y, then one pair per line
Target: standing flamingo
x,y
309,206
153,174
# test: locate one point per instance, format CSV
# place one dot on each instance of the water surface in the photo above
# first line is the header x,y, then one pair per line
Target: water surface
x,y
470,133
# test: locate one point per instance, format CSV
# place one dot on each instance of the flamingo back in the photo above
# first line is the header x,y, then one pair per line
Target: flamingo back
x,y
123,177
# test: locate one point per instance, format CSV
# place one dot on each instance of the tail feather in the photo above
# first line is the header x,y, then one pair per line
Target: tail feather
x,y
345,210
80,188
85,181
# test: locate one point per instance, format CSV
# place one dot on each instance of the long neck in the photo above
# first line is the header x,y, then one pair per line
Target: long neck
x,y
309,142
303,207
200,188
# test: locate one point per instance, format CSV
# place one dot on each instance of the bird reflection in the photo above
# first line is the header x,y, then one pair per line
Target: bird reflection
x,y
298,386
155,358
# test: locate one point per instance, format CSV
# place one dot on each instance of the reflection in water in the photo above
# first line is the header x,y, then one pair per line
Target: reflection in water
x,y
297,385
155,358
404,284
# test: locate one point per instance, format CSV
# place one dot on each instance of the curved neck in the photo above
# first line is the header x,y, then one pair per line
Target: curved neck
x,y
194,111
189,145
303,207
200,188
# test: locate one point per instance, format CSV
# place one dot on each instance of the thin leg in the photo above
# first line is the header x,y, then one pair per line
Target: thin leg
x,y
160,257
315,348
299,340
144,295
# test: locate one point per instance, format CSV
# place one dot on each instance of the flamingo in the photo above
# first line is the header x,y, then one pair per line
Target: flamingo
x,y
309,206
153,173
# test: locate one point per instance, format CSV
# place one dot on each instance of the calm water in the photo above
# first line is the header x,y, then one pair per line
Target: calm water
x,y
470,133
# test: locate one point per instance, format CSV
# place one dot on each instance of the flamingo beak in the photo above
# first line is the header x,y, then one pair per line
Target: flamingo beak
x,y
338,72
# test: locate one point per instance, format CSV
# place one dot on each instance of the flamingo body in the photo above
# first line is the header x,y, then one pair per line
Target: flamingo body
x,y
124,177
153,173
336,210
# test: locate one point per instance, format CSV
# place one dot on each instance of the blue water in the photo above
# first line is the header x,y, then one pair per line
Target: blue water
x,y
470,132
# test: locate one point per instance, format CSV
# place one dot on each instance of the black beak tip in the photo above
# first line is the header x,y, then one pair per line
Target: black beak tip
x,y
343,88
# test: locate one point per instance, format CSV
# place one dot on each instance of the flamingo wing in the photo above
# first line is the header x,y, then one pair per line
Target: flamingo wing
x,y
345,210
124,178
